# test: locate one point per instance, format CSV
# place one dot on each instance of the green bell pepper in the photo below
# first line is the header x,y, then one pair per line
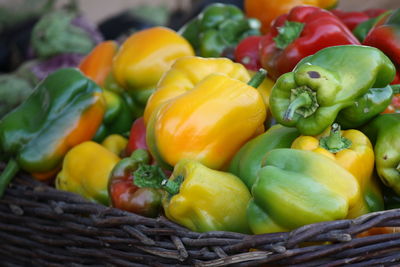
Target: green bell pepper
x,y
297,187
367,106
218,27
118,117
310,97
248,160
64,110
383,132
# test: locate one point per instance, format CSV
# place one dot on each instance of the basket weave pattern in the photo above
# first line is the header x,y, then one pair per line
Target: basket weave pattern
x,y
42,226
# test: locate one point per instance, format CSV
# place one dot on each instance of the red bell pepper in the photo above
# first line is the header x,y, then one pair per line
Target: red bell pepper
x,y
386,36
353,18
302,32
125,194
137,137
247,52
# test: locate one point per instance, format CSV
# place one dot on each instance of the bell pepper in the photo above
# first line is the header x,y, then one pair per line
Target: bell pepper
x,y
97,64
268,10
144,57
85,171
383,132
366,107
125,194
185,73
200,198
115,143
297,187
217,28
65,110
137,137
302,32
354,18
247,53
310,97
248,160
117,118
220,107
353,151
386,35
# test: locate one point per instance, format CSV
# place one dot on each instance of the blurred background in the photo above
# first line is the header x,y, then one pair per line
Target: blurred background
x,y
112,19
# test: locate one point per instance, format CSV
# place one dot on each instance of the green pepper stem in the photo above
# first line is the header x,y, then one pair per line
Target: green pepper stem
x,y
398,168
258,78
303,100
8,174
335,142
172,186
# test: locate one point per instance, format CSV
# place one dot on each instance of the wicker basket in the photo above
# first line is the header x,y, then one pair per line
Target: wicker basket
x,y
41,226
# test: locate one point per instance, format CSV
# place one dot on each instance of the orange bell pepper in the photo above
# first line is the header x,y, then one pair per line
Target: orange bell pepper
x,y
267,10
97,64
144,57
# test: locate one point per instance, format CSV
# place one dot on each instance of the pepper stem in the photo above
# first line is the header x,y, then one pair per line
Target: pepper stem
x,y
172,186
258,78
335,142
302,100
398,168
8,174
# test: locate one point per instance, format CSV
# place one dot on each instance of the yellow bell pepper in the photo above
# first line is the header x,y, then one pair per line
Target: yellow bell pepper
x,y
115,143
185,73
204,200
85,171
144,57
208,123
352,150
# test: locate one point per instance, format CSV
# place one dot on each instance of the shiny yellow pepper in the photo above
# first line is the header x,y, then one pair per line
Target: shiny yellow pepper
x,y
352,150
144,57
85,171
204,200
208,122
185,73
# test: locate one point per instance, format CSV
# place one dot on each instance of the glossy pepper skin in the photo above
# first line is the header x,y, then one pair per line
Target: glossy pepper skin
x,y
366,107
65,110
354,18
386,36
203,199
247,53
97,64
217,28
310,97
139,72
185,73
248,160
85,171
267,10
220,107
383,132
137,137
125,194
118,117
296,187
352,150
302,32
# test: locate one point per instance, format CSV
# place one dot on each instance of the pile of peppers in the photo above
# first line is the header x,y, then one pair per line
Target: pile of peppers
x,y
243,120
